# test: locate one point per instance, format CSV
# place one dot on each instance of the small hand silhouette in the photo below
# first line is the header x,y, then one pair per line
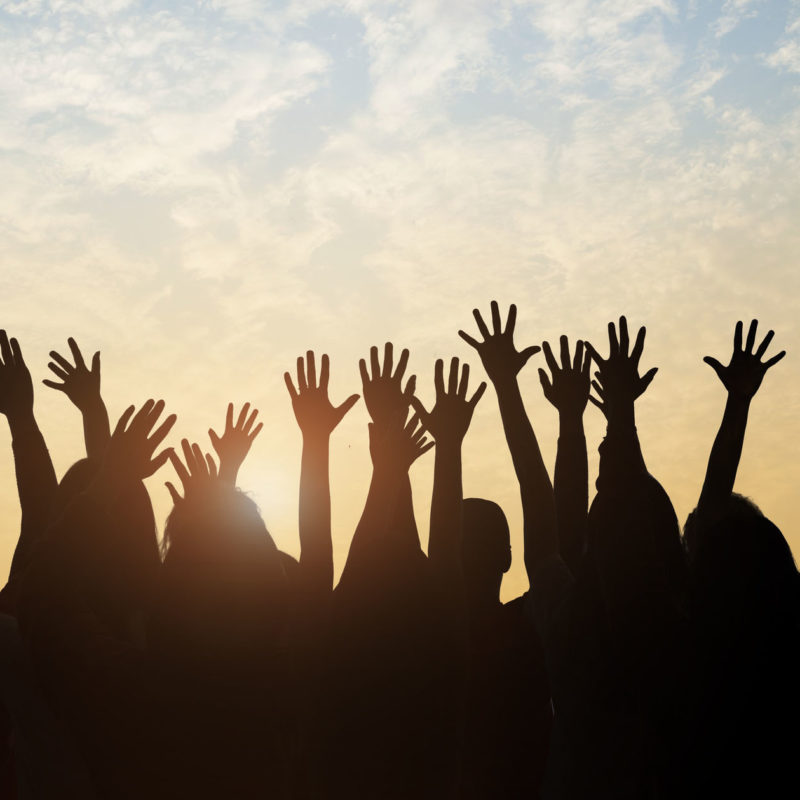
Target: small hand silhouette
x,y
568,388
314,412
745,370
499,356
80,384
131,447
451,415
16,386
618,380
196,477
234,444
384,395
398,445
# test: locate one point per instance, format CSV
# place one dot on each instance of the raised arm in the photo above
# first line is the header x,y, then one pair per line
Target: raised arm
x,y
386,532
448,423
36,478
567,389
741,378
82,386
502,362
317,417
618,385
235,443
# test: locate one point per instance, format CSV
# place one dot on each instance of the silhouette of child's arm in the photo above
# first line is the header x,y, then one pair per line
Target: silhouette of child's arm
x,y
448,423
503,362
568,390
235,443
385,531
386,540
741,378
82,386
317,417
36,478
618,385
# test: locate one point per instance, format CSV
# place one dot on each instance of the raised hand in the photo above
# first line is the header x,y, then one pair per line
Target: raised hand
x,y
451,415
199,473
745,370
384,395
398,445
16,386
314,412
130,453
234,444
499,356
80,384
568,387
618,381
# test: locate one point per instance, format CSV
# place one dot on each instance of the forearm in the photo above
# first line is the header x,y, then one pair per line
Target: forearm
x,y
96,428
621,456
444,546
36,483
316,548
723,462
571,488
536,490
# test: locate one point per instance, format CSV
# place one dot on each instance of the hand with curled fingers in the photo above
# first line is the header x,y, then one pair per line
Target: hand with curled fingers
x,y
79,383
618,382
745,371
499,356
384,395
567,388
398,445
449,419
314,412
235,443
130,452
197,475
16,386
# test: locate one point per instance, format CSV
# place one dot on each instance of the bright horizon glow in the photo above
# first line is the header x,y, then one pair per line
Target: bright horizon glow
x,y
204,191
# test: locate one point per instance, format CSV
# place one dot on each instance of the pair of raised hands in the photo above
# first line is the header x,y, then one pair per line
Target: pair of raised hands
x,y
567,386
80,384
394,439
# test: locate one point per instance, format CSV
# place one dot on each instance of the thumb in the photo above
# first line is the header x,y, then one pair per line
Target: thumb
x,y
96,363
647,378
347,405
715,365
528,352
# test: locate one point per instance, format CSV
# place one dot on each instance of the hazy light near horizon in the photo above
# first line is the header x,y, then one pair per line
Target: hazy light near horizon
x,y
203,191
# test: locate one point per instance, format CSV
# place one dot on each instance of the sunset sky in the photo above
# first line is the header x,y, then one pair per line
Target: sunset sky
x,y
204,190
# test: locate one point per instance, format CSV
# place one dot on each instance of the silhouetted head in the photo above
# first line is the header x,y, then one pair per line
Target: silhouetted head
x,y
486,544
743,566
112,567
224,588
634,542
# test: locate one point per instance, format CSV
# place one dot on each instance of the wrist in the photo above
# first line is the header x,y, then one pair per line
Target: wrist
x,y
22,421
570,423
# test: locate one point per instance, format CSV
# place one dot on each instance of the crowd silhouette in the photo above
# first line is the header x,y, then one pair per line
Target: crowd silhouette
x,y
645,661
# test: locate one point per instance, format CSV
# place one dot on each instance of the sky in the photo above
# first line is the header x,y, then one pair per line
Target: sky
x,y
204,190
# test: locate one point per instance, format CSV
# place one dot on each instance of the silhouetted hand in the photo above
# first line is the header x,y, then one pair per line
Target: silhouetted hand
x,y
384,395
129,456
234,444
16,386
80,384
618,381
745,371
196,477
450,417
499,356
398,445
314,412
568,387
